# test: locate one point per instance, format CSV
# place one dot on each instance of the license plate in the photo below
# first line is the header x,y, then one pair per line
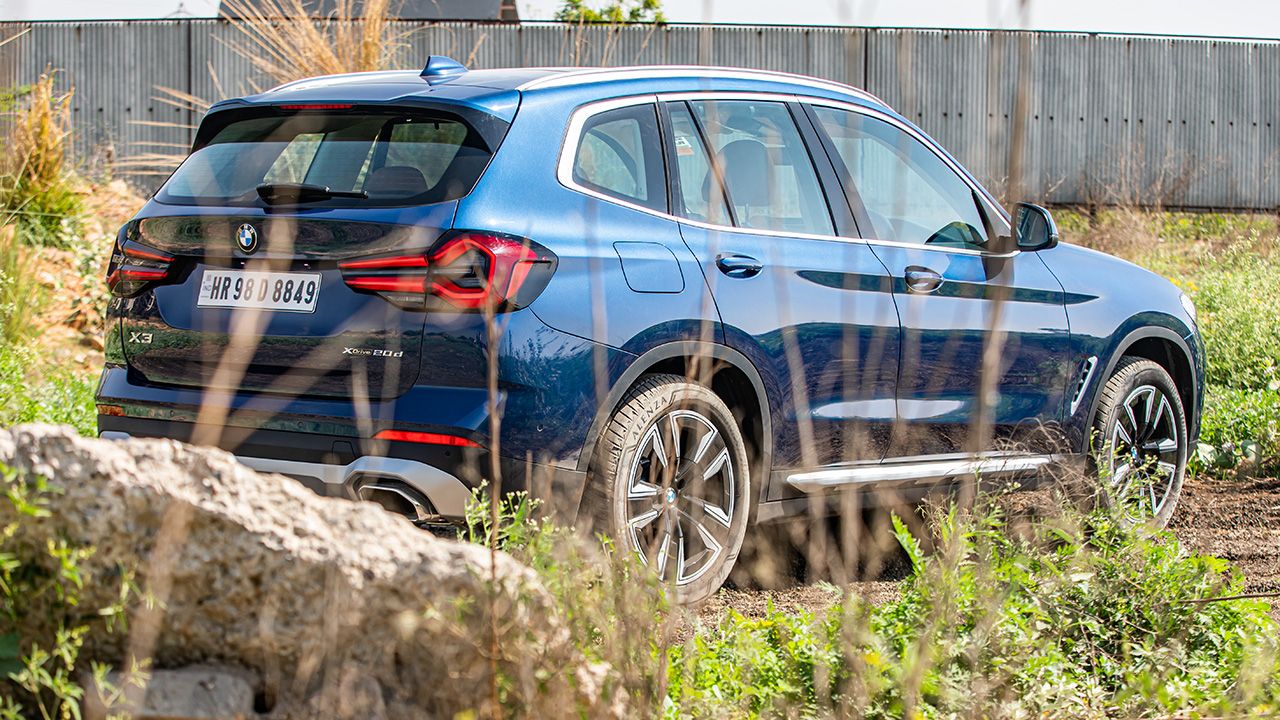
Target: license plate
x,y
285,292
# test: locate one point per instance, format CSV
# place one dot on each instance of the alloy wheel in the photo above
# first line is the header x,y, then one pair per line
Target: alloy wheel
x,y
1146,442
681,495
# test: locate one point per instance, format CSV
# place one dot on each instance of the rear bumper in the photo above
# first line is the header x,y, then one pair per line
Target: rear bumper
x,y
446,497
347,466
331,465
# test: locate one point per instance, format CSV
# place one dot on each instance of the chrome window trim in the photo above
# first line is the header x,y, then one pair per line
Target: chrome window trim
x,y
646,72
573,135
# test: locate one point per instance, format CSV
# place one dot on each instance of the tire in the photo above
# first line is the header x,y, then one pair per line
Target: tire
x,y
683,510
1141,465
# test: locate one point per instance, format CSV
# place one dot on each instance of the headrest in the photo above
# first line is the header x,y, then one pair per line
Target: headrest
x,y
396,181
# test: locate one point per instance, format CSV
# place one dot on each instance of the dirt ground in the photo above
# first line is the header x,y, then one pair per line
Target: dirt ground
x,y
1237,519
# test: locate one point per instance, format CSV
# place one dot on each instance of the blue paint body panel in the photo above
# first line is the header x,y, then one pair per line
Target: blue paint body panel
x,y
847,365
944,336
650,267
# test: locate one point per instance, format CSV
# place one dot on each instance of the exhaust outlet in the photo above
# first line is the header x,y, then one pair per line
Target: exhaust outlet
x,y
400,498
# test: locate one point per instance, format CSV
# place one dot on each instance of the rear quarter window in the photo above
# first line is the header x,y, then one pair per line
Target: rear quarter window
x,y
619,154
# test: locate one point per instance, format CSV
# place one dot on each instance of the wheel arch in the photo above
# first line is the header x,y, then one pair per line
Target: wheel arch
x,y
732,376
1170,351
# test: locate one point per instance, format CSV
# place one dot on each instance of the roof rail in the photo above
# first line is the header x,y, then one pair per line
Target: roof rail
x,y
572,76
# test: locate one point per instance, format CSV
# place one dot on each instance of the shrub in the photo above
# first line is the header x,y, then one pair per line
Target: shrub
x,y
60,396
1087,617
617,12
1237,296
1226,264
1078,616
37,189
1240,428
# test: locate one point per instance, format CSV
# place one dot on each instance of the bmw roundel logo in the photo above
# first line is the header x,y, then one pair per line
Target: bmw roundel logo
x,y
247,238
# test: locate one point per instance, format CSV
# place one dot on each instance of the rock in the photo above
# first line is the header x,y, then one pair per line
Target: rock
x,y
193,693
323,599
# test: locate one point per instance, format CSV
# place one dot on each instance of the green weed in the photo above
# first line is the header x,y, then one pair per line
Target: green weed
x,y
20,293
58,396
1225,263
1087,617
1241,429
42,623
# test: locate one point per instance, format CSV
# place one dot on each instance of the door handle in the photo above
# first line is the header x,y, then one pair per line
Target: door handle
x,y
739,266
922,279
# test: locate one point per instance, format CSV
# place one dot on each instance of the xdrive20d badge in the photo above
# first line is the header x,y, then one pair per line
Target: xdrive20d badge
x,y
676,303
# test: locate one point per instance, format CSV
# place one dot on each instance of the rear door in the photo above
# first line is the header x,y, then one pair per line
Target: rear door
x,y
958,294
813,310
245,241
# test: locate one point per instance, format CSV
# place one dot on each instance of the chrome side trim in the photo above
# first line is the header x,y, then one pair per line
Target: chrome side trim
x,y
932,471
931,248
693,72
573,134
447,493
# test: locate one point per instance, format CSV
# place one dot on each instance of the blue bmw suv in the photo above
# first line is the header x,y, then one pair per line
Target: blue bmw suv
x,y
680,301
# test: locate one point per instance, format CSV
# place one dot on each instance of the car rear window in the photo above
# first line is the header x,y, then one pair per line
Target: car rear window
x,y
395,158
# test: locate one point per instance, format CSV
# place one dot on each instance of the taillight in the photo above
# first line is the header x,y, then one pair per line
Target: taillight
x,y
426,438
134,265
464,271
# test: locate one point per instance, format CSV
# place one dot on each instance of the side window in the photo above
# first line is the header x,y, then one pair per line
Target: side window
x,y
701,195
911,195
768,176
619,154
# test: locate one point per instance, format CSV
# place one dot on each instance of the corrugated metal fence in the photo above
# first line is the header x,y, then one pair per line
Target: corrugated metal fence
x,y
1184,122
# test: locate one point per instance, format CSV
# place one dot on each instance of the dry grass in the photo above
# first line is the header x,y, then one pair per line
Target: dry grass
x,y
39,136
37,188
1172,243
357,37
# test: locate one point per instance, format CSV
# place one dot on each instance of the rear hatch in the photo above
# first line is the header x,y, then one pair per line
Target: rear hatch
x,y
231,277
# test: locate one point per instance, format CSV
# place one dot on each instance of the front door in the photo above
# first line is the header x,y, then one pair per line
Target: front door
x,y
967,306
812,310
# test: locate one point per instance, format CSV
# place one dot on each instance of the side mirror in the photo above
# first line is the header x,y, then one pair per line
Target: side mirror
x,y
1033,227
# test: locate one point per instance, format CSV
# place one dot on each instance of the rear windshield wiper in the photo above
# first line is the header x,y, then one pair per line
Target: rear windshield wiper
x,y
295,193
